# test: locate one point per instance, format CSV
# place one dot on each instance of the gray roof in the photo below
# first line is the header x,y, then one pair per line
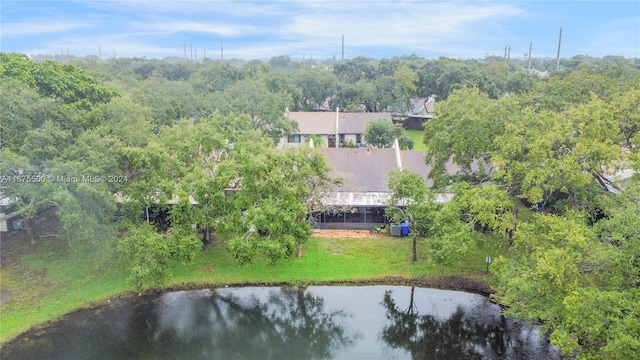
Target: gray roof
x,y
423,107
324,123
366,170
362,170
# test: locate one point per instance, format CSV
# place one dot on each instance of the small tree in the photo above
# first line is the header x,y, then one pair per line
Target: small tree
x,y
411,201
381,133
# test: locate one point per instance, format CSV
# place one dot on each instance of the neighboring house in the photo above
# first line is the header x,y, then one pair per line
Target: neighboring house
x,y
360,202
9,218
336,129
538,73
422,111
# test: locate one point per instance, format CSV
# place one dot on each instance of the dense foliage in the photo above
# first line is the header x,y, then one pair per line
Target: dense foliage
x,y
573,264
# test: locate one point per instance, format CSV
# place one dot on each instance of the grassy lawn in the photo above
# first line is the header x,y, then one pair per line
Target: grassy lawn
x,y
417,136
43,282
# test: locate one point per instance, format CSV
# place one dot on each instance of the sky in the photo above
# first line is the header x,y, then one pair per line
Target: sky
x,y
314,29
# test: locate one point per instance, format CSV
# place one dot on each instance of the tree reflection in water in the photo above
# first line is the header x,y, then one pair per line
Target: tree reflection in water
x,y
288,323
285,324
468,333
260,323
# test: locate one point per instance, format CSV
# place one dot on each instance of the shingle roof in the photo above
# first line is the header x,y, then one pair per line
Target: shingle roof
x,y
366,170
324,123
362,170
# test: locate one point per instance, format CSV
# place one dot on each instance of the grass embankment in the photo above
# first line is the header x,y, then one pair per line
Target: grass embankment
x,y
44,282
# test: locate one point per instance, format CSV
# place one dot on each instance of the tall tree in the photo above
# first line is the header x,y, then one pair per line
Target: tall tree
x,y
268,195
561,151
464,132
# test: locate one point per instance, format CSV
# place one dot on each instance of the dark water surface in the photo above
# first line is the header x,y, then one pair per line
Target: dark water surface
x,y
323,322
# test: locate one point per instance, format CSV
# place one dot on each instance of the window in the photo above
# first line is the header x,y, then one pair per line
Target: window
x,y
293,138
358,139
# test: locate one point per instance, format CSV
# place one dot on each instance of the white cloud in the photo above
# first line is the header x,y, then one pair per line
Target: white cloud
x,y
227,30
40,27
262,29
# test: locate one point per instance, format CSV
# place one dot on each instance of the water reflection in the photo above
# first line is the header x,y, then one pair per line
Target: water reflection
x,y
288,323
249,323
274,324
476,332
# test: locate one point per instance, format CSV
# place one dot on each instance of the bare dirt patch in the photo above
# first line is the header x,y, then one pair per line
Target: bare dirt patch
x,y
345,234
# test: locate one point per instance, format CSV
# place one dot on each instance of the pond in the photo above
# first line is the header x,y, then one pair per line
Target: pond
x,y
318,322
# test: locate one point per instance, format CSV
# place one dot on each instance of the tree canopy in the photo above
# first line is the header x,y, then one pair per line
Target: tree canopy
x,y
556,147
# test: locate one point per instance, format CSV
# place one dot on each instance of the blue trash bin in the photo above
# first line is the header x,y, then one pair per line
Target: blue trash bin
x,y
404,229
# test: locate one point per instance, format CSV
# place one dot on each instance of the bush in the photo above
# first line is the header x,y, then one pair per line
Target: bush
x,y
148,253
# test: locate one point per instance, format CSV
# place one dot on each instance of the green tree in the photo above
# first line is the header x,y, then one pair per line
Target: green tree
x,y
404,87
71,84
171,101
317,86
464,132
148,253
619,230
17,66
350,71
412,202
626,109
382,133
265,108
600,324
27,188
487,206
215,77
551,257
548,153
268,193
23,111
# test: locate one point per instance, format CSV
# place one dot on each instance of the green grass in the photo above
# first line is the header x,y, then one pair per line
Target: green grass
x,y
47,282
417,136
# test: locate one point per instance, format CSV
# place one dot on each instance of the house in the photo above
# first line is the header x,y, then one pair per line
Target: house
x,y
360,202
422,111
345,127
10,218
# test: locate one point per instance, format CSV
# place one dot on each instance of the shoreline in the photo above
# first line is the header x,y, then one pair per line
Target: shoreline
x,y
454,283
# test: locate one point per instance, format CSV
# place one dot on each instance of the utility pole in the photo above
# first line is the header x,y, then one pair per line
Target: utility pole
x,y
185,51
99,52
559,43
342,47
509,55
221,52
505,54
530,46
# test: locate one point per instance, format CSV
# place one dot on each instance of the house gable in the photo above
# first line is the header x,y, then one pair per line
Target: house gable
x,y
350,126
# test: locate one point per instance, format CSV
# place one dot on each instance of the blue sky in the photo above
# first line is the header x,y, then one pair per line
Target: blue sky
x,y
263,29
